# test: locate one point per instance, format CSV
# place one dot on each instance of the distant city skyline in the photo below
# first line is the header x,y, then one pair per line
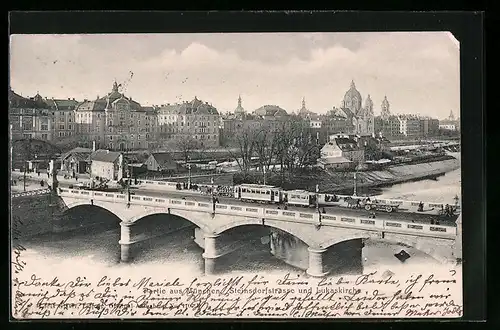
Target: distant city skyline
x,y
417,71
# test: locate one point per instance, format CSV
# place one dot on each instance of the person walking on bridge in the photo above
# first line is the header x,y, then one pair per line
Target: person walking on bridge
x,y
420,207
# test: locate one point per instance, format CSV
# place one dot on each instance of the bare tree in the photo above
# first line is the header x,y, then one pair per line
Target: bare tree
x,y
265,147
186,145
245,146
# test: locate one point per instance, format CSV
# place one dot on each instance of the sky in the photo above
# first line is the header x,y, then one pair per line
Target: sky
x,y
417,71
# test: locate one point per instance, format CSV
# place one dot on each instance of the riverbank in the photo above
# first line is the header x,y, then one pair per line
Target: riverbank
x,y
343,182
395,175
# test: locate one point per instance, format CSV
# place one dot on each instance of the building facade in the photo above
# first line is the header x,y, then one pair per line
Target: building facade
x,y
429,126
107,164
63,113
116,122
409,125
195,120
30,118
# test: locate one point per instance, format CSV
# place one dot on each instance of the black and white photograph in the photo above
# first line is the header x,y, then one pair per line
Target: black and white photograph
x,y
235,175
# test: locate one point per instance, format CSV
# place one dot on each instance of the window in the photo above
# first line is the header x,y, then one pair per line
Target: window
x,y
26,126
27,136
111,137
45,127
61,134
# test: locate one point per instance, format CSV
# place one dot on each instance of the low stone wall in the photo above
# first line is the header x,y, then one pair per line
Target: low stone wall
x,y
32,215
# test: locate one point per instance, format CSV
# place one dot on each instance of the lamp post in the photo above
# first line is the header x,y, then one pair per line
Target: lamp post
x,y
264,172
317,197
355,183
189,177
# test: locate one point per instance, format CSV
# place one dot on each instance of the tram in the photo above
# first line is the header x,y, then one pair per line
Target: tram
x,y
258,193
299,198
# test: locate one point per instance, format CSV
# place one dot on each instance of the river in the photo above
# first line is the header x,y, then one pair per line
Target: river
x,y
99,247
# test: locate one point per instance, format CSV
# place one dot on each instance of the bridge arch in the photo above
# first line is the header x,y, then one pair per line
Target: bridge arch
x,y
276,225
96,204
199,222
441,253
354,235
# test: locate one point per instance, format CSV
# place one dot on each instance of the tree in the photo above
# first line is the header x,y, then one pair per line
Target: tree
x,y
71,142
245,145
372,152
186,145
265,148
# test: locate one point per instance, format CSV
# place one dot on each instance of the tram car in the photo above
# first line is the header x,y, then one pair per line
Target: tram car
x,y
299,198
258,193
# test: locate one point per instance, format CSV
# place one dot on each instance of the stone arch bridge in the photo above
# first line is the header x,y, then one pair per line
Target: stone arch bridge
x,y
318,231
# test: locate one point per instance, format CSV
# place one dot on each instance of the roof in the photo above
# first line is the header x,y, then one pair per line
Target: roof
x,y
270,110
18,101
253,185
163,158
106,102
55,104
105,156
97,105
195,107
334,160
78,152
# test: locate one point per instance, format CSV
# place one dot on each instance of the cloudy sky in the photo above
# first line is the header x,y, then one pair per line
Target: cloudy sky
x,y
419,72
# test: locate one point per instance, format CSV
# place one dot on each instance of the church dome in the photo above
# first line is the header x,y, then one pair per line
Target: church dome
x,y
352,99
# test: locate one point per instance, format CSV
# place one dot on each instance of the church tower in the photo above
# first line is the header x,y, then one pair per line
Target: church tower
x,y
452,116
239,111
385,113
303,112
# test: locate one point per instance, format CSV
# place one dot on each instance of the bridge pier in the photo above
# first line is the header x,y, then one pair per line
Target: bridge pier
x,y
125,242
211,253
316,262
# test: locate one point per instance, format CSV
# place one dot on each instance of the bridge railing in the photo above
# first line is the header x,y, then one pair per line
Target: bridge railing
x,y
172,186
36,192
305,216
395,202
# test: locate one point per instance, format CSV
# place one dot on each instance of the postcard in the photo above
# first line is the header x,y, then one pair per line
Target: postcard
x,y
235,175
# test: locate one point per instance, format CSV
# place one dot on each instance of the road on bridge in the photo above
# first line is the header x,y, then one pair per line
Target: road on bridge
x,y
400,215
336,210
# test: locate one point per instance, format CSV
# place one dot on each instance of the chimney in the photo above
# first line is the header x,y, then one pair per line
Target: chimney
x,y
93,145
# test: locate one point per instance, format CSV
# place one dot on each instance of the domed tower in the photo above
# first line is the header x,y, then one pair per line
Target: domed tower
x,y
239,111
385,113
352,99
